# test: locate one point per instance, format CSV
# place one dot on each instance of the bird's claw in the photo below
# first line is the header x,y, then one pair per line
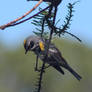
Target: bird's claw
x,y
39,70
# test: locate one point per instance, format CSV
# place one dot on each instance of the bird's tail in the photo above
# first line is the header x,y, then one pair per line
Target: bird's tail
x,y
76,75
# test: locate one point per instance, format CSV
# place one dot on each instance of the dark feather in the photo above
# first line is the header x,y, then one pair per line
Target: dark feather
x,y
58,68
76,75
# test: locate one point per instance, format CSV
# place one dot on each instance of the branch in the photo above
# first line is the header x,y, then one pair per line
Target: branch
x,y
14,21
73,36
39,85
29,17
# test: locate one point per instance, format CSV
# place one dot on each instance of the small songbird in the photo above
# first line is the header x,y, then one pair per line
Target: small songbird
x,y
54,58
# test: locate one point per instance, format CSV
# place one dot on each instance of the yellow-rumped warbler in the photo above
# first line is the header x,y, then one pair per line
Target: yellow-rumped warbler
x,y
54,58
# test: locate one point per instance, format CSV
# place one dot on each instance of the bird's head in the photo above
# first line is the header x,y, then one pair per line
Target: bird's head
x,y
31,43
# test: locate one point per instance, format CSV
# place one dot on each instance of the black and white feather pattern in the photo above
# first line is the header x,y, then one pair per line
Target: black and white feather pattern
x,y
54,57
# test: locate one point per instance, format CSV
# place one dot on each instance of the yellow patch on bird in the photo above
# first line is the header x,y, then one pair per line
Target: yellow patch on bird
x,y
24,42
41,46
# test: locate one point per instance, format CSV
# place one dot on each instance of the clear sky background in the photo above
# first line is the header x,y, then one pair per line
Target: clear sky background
x,y
14,36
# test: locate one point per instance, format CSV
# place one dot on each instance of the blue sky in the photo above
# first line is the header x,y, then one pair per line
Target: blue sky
x,y
11,9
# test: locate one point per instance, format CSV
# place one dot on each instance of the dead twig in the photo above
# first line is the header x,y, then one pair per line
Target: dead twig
x,y
29,17
14,21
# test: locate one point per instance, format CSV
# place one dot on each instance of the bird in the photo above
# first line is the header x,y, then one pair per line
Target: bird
x,y
54,58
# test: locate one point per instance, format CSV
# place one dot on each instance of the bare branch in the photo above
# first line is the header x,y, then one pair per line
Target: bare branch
x,y
14,21
29,17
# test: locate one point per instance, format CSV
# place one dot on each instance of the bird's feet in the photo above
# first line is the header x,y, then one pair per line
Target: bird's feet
x,y
39,70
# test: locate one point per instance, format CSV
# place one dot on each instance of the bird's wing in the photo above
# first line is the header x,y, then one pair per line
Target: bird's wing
x,y
58,68
56,55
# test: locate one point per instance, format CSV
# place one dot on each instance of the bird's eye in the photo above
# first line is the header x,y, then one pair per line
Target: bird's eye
x,y
31,44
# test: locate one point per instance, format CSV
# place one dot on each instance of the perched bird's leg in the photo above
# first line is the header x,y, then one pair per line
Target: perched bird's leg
x,y
36,66
45,67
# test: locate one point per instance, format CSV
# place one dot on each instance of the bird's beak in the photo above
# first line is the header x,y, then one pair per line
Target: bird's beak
x,y
26,51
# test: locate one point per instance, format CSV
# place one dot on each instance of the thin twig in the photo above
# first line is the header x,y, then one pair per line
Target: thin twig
x,y
39,85
52,28
36,67
43,65
28,18
73,36
41,76
14,21
43,27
